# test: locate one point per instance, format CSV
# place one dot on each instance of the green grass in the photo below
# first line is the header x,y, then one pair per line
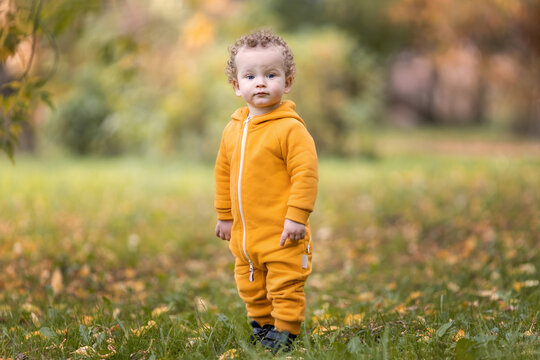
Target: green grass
x,y
415,257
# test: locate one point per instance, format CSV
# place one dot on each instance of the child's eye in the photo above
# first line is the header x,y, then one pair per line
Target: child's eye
x,y
250,77
271,76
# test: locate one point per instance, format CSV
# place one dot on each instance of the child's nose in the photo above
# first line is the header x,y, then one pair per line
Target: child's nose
x,y
261,81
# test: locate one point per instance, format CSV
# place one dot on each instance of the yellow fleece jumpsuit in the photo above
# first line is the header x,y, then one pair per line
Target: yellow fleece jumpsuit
x,y
266,171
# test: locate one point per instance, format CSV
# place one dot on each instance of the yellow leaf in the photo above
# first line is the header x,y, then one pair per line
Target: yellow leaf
x,y
531,283
36,333
112,352
321,329
321,317
201,304
141,330
400,308
460,335
366,296
194,340
116,312
354,319
57,282
130,273
27,307
35,320
160,310
87,320
452,286
84,271
198,31
229,354
391,286
527,268
86,351
414,295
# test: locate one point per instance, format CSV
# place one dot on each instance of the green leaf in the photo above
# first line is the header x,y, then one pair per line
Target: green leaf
x,y
40,82
442,330
84,334
354,345
48,333
8,148
126,333
465,350
46,98
15,129
107,301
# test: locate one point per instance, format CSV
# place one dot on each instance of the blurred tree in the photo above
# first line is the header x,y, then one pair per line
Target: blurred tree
x,y
365,21
337,90
156,82
509,27
26,26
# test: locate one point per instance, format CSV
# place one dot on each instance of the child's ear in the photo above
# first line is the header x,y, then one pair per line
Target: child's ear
x,y
236,88
288,84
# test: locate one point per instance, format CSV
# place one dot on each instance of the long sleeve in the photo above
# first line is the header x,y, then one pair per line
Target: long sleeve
x,y
301,159
222,198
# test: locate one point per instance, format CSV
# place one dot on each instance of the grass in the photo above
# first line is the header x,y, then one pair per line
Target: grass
x,y
415,257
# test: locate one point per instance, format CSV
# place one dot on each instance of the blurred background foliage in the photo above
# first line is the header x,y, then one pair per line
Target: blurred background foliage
x,y
147,77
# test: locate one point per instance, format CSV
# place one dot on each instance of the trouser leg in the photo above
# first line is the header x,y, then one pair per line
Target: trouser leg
x,y
285,283
253,293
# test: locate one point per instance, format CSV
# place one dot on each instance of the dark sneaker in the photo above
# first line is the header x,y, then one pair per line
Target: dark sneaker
x,y
277,341
259,333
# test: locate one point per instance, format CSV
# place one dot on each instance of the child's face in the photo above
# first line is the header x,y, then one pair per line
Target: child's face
x,y
261,79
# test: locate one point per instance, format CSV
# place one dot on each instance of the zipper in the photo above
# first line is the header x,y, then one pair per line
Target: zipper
x,y
242,155
305,257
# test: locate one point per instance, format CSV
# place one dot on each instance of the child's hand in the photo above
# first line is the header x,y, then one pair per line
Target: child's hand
x,y
292,230
223,229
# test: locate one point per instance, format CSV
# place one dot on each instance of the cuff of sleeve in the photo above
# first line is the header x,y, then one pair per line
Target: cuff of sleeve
x,y
297,215
224,215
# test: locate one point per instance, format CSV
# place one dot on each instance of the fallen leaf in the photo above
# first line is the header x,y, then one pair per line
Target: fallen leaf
x,y
460,335
141,330
414,295
32,334
35,320
87,320
27,307
201,304
57,282
160,310
85,351
354,319
229,354
366,296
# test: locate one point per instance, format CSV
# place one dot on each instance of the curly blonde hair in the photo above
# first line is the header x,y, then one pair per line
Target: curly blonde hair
x,y
262,38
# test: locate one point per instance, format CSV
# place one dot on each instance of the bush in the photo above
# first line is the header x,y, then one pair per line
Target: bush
x,y
138,94
80,122
336,91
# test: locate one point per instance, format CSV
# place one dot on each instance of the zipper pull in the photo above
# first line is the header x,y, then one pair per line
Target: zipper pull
x,y
251,272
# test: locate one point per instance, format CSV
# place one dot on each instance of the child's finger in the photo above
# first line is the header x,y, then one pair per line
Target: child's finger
x,y
284,235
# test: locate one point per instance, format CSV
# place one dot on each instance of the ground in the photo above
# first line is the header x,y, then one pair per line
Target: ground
x,y
424,251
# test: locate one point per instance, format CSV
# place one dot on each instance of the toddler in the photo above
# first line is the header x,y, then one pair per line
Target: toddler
x,y
266,185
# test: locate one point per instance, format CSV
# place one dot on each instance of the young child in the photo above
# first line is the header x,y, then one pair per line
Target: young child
x,y
266,185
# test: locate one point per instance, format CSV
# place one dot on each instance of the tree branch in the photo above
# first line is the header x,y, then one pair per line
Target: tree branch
x,y
34,41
